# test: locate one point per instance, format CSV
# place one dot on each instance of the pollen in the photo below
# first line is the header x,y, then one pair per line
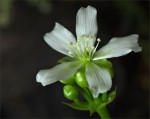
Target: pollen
x,y
69,52
98,40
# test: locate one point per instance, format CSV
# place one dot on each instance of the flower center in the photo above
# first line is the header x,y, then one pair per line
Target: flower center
x,y
84,49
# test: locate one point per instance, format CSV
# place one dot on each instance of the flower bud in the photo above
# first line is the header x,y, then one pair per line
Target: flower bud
x,y
68,81
70,92
81,79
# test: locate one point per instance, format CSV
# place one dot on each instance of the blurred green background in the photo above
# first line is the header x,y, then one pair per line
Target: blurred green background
x,y
23,23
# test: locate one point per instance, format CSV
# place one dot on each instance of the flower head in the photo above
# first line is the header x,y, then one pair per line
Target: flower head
x,y
83,52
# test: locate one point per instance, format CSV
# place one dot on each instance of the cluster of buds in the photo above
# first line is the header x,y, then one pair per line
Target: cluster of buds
x,y
76,88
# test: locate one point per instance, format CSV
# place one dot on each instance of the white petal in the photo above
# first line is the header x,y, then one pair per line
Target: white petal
x,y
59,72
98,78
59,39
86,22
118,47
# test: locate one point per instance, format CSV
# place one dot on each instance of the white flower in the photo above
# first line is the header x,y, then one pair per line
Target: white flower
x,y
84,52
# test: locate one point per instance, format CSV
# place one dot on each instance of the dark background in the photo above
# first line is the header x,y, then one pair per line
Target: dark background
x,y
23,52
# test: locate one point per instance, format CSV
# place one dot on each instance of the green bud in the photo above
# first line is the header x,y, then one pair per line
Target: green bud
x,y
68,81
81,79
70,92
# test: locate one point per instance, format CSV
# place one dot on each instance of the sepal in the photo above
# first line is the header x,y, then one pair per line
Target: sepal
x,y
66,59
94,105
84,106
68,81
103,63
111,97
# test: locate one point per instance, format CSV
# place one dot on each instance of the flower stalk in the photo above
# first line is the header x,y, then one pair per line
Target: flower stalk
x,y
103,113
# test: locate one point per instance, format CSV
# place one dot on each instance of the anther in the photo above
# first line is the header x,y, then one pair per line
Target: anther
x,y
78,47
70,44
69,52
98,40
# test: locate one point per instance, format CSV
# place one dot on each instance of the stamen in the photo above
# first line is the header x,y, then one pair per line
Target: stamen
x,y
91,51
98,41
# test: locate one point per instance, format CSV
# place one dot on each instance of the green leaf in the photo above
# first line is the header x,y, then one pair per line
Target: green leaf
x,y
84,106
66,59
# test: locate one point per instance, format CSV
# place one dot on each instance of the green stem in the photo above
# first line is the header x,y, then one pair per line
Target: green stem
x,y
103,113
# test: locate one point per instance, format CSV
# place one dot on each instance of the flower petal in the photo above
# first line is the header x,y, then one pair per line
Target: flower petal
x,y
86,22
98,78
59,72
59,39
119,47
